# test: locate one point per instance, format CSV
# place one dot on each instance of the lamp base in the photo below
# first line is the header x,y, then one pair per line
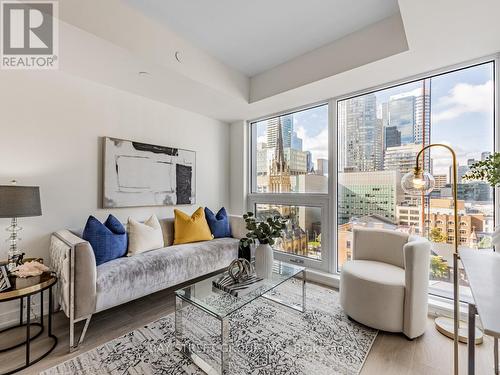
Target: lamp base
x,y
445,326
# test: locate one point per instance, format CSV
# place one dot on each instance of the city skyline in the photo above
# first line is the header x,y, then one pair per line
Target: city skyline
x,y
461,113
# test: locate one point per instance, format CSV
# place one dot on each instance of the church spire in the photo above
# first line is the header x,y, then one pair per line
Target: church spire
x,y
279,153
279,176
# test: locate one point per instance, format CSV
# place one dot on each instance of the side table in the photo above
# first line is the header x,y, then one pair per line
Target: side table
x,y
24,289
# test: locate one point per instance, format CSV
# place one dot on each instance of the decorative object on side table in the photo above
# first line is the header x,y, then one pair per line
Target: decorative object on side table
x,y
265,232
244,270
244,250
18,201
30,269
4,278
240,276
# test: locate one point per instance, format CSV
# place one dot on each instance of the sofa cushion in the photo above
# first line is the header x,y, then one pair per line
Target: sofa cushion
x,y
108,240
218,223
128,278
167,228
192,228
144,236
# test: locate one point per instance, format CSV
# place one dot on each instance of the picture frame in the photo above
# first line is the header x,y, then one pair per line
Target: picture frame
x,y
4,278
138,174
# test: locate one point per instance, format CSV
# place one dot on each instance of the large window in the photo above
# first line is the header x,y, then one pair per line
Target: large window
x,y
379,136
290,177
328,174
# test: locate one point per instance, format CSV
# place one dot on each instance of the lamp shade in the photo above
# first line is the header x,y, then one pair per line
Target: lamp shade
x,y
19,201
418,182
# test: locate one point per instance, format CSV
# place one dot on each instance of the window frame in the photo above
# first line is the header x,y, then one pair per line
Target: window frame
x,y
329,201
495,59
321,200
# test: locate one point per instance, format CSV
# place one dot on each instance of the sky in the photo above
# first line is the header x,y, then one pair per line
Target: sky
x,y
461,116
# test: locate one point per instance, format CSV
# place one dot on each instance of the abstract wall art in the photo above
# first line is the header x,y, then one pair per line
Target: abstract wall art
x,y
138,174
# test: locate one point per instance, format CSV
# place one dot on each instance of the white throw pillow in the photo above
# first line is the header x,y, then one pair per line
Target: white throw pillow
x,y
144,237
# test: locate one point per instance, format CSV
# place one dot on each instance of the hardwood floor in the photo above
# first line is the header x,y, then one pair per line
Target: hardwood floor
x,y
390,354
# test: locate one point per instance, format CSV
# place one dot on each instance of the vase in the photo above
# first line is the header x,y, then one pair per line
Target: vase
x,y
245,252
264,258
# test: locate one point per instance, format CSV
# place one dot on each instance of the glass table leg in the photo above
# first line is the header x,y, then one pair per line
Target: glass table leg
x,y
178,324
225,350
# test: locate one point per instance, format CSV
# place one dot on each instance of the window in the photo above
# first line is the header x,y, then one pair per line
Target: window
x,y
290,152
376,137
290,167
302,235
379,136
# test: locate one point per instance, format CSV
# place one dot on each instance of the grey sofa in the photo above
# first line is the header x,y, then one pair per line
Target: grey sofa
x,y
84,288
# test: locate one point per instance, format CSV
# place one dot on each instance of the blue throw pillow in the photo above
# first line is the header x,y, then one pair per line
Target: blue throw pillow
x,y
219,224
108,240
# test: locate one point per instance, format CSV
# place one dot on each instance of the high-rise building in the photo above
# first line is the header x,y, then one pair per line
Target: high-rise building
x,y
286,125
461,171
410,113
384,114
392,136
322,167
362,134
296,141
441,180
474,191
402,116
369,193
401,158
296,161
422,129
309,162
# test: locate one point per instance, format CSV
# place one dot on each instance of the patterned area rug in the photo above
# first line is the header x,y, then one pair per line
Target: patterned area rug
x,y
265,338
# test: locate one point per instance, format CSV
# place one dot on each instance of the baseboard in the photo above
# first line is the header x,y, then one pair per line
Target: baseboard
x,y
328,279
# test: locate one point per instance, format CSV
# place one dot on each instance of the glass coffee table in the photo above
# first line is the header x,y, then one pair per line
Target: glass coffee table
x,y
209,300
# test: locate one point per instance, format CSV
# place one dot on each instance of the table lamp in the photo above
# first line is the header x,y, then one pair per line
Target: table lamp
x,y
18,201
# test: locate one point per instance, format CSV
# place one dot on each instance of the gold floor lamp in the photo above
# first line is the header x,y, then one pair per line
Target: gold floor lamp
x,y
417,182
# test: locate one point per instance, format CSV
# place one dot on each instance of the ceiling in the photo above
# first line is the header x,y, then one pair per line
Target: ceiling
x,y
110,41
255,36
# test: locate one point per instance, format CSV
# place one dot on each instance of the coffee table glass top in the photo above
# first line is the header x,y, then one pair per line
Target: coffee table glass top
x,y
220,304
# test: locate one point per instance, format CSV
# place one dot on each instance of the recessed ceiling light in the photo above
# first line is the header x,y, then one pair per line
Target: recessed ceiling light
x,y
144,74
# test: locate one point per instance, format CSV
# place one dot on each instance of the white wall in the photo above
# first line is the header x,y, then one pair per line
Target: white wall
x,y
51,124
239,167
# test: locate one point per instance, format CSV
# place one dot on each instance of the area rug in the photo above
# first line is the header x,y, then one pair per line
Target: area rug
x,y
265,338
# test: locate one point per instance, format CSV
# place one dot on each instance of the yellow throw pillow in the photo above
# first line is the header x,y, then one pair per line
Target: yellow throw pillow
x,y
192,228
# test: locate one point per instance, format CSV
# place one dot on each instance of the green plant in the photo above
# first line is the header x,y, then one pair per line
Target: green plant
x,y
485,243
439,267
263,231
437,236
485,170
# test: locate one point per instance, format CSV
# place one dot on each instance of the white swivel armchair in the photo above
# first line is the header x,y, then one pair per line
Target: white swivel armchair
x,y
385,285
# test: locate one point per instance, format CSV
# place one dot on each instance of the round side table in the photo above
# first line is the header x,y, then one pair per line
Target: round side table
x,y
24,289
